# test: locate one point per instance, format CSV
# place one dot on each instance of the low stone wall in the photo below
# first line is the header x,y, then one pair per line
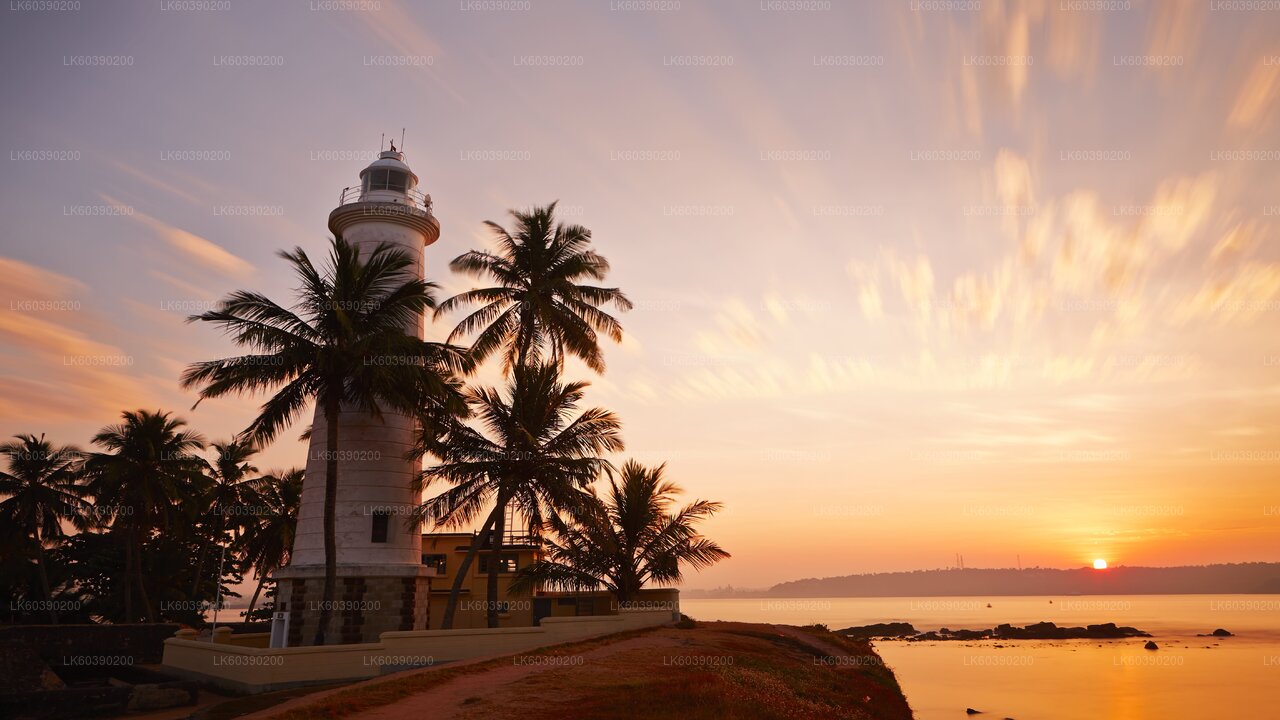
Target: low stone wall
x,y
251,640
253,670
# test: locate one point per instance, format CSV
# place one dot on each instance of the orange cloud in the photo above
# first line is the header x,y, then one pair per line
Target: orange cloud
x,y
1253,290
1257,97
19,280
205,252
1174,26
59,370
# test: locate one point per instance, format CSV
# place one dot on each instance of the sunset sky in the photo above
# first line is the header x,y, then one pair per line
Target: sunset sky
x,y
909,281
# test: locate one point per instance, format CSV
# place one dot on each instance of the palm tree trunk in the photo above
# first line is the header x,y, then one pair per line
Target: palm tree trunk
x,y
495,546
195,580
128,579
525,340
44,580
252,603
330,519
137,571
204,553
463,569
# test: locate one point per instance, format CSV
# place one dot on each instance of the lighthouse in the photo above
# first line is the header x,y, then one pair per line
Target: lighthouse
x,y
382,584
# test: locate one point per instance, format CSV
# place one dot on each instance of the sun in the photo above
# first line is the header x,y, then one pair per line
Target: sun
x,y
1099,564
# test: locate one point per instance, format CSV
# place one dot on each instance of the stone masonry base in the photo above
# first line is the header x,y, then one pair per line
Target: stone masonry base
x,y
363,607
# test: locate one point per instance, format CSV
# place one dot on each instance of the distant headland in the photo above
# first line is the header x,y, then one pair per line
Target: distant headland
x,y
1230,578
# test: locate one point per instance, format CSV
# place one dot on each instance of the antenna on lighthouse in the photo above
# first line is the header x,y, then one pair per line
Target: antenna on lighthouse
x,y
382,143
401,139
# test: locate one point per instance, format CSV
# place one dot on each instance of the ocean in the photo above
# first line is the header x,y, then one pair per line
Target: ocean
x,y
1187,678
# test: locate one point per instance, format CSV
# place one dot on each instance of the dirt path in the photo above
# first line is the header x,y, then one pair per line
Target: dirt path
x,y
449,699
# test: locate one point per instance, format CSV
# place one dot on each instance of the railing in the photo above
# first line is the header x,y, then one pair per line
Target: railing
x,y
413,198
510,539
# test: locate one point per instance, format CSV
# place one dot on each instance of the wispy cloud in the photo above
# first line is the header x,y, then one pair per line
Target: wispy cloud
x,y
1258,96
20,280
206,253
56,365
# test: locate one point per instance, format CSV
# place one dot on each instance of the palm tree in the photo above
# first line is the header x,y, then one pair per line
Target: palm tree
x,y
149,475
626,540
537,310
537,306
268,540
356,309
231,486
44,490
530,450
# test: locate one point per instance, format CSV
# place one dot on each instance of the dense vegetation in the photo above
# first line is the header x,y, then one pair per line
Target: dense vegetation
x,y
154,522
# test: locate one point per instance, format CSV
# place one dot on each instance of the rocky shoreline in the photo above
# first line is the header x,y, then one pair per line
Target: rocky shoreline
x,y
1035,631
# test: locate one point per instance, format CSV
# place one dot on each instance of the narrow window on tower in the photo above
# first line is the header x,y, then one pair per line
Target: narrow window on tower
x,y
381,521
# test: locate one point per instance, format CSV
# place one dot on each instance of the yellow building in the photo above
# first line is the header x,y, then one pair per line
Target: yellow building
x,y
445,552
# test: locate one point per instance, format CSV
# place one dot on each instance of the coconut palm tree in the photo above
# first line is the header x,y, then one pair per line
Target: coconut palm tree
x,y
626,540
530,450
147,480
268,537
43,490
232,485
537,307
352,311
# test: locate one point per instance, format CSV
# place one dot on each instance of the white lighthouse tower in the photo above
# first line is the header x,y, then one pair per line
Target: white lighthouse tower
x,y
382,584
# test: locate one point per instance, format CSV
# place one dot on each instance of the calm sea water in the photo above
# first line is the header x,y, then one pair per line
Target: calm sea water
x,y
1188,678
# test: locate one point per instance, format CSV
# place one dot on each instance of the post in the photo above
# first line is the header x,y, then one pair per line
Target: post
x,y
217,603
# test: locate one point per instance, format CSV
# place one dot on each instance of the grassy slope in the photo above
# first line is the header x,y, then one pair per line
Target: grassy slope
x,y
714,670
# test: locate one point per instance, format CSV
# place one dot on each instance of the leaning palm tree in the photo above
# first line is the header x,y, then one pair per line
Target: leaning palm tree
x,y
537,307
44,490
147,478
353,311
268,538
230,472
530,450
626,540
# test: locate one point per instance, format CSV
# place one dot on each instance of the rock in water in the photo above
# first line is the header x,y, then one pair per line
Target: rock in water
x,y
1220,633
893,629
1151,645
971,711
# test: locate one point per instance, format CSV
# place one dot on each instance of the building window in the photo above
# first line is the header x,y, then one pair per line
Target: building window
x,y
381,522
508,564
439,562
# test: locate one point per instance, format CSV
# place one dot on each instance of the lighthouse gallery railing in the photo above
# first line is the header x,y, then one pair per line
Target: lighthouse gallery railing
x,y
414,198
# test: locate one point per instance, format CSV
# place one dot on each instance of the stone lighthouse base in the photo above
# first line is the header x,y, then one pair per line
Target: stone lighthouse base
x,y
368,600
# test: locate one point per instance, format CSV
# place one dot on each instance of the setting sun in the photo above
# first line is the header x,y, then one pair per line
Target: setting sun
x,y
1099,564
